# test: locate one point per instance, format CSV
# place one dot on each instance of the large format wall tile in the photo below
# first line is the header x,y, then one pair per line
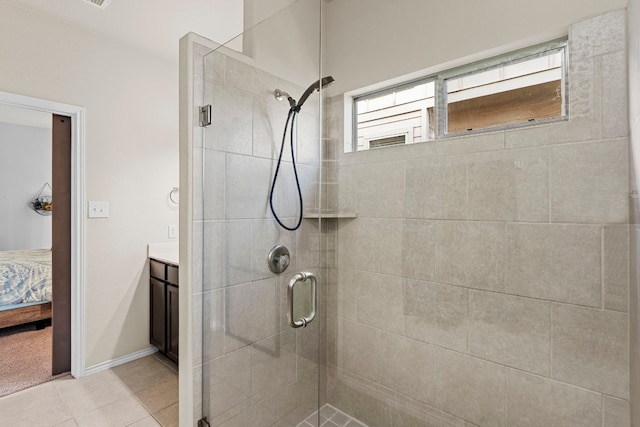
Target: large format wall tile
x,y
470,254
286,197
392,237
589,182
615,108
345,292
509,186
415,373
227,252
273,363
269,118
212,318
616,267
584,95
211,185
616,412
436,314
381,191
243,305
358,244
215,68
247,186
358,350
379,301
436,190
555,262
408,248
233,110
346,193
241,75
471,388
537,401
308,148
510,330
590,348
598,35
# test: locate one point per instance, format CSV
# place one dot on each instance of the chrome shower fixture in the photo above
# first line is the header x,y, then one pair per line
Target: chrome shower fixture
x,y
281,95
297,105
294,110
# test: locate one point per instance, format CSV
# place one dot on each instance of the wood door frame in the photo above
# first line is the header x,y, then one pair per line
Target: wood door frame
x,y
77,114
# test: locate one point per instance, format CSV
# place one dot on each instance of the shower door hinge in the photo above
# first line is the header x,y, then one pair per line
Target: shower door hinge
x,y
203,422
205,116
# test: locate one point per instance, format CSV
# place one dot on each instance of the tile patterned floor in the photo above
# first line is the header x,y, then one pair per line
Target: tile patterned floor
x,y
331,417
139,394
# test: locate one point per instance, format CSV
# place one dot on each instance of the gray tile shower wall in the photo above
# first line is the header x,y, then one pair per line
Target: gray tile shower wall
x,y
485,280
633,20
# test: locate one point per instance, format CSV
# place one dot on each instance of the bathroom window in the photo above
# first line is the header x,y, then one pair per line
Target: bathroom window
x,y
400,115
525,91
517,89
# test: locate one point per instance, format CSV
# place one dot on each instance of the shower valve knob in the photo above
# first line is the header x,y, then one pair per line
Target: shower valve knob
x,y
278,259
283,261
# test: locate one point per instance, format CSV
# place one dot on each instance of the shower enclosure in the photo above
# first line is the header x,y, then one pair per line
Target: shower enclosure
x,y
475,279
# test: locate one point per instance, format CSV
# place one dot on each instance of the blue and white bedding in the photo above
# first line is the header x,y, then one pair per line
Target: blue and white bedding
x,y
25,276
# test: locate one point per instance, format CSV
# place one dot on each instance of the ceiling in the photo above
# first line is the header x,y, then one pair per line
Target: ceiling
x,y
152,25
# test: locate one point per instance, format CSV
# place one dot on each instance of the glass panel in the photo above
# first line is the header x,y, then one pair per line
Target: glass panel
x,y
521,92
256,369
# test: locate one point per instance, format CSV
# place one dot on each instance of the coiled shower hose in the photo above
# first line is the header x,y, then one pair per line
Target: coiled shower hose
x,y
291,117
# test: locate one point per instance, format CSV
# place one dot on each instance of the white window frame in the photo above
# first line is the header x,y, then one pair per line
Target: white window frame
x,y
440,78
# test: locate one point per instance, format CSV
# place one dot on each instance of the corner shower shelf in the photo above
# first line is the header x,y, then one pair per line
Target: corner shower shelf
x,y
330,215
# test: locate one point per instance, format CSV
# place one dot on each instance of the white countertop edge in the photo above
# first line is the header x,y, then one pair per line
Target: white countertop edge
x,y
166,251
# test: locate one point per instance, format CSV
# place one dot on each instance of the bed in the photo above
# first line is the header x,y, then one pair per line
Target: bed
x,y
25,286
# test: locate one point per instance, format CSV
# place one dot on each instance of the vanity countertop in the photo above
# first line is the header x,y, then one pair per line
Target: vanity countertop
x,y
165,252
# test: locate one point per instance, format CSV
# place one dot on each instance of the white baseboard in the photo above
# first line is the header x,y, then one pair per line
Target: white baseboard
x,y
103,366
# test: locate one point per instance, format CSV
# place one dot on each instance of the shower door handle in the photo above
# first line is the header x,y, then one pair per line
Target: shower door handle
x,y
298,278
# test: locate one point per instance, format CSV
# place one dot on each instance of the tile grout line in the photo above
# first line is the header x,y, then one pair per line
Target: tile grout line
x,y
603,237
64,402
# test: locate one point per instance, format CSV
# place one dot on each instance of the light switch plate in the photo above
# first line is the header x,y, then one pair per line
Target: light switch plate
x,y
98,209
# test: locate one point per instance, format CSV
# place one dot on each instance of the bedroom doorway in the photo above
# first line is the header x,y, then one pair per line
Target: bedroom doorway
x,y
67,237
35,246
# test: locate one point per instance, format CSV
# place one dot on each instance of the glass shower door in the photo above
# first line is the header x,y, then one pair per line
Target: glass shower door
x,y
260,329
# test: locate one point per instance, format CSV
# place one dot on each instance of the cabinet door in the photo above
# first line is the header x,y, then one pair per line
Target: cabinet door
x,y
172,322
158,319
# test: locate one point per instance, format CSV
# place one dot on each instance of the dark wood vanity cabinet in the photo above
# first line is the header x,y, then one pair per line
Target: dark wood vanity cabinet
x,y
164,307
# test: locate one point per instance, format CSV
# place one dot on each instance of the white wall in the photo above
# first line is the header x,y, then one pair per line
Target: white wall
x,y
25,166
131,158
367,40
285,42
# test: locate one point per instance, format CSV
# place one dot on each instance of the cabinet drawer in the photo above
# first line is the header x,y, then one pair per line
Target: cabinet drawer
x,y
157,269
172,274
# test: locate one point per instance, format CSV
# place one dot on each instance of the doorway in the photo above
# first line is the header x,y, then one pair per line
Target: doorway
x,y
70,354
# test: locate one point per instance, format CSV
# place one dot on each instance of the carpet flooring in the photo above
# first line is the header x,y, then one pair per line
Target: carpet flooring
x,y
25,358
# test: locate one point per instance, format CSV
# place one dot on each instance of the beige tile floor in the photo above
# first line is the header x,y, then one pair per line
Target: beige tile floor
x,y
139,394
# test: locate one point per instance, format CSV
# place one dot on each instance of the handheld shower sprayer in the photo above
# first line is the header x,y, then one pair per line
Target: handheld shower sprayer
x,y
322,83
294,109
